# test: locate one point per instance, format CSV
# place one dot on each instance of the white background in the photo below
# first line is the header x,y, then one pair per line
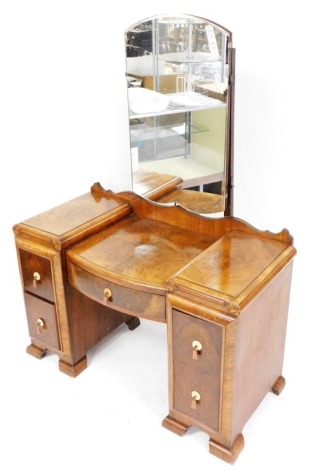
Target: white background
x,y
63,127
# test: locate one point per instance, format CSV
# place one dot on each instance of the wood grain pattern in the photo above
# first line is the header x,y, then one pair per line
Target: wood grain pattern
x,y
32,263
73,220
152,185
187,220
39,309
41,242
166,189
222,282
260,346
138,250
200,202
202,375
123,299
253,351
235,266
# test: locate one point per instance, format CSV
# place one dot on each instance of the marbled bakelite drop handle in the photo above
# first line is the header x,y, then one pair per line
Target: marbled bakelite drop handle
x,y
195,398
107,295
197,347
36,278
39,324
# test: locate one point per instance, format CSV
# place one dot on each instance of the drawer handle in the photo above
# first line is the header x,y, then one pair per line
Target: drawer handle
x,y
195,398
107,295
40,324
197,348
36,278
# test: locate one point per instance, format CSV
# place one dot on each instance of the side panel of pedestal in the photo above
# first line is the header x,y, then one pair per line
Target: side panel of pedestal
x,y
260,346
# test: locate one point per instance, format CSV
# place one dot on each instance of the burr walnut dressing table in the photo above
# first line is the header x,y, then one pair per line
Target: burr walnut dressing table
x,y
222,286
100,260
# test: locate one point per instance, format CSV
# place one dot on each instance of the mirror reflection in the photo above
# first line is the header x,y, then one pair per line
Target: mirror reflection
x,y
179,105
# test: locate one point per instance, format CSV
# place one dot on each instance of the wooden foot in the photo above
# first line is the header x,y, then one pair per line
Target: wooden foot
x,y
75,369
278,385
35,351
175,426
224,453
133,323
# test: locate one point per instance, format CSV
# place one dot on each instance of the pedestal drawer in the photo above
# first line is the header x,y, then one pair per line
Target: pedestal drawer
x,y
42,322
37,275
197,354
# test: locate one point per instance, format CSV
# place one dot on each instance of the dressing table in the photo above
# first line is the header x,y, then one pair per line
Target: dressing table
x,y
222,286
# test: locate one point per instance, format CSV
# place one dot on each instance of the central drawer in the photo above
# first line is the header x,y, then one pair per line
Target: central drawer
x,y
124,299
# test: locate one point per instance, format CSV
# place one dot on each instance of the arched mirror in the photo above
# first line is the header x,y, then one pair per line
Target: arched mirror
x,y
180,76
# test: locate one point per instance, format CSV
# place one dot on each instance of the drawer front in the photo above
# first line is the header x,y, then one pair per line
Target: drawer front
x,y
124,299
42,321
197,358
37,275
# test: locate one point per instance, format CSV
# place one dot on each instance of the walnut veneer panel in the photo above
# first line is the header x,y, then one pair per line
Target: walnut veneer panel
x,y
260,345
202,374
41,242
30,264
162,188
104,259
153,185
74,220
203,203
72,214
123,299
235,265
89,321
40,309
138,250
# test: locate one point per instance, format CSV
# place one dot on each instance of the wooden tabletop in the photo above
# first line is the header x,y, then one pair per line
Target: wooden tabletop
x,y
235,265
139,250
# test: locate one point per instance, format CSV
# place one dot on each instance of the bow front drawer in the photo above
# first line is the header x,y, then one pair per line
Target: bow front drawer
x,y
122,298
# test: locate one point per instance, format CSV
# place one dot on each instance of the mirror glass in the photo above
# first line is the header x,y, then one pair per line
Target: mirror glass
x,y
179,102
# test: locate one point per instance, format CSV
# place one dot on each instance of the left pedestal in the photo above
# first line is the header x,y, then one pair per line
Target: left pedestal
x,y
55,310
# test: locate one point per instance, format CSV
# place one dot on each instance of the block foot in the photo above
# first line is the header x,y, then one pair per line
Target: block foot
x,y
175,426
278,385
229,455
73,369
133,323
35,351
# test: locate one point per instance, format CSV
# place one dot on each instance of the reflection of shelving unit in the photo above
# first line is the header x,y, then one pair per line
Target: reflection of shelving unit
x,y
188,138
170,140
181,141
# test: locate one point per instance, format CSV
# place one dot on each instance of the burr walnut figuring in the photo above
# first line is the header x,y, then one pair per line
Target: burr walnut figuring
x,y
221,286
